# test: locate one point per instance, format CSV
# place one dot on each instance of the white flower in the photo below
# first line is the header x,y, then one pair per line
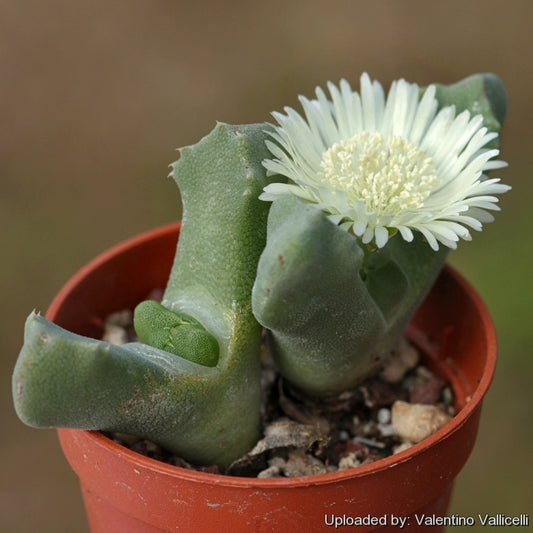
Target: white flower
x,y
376,165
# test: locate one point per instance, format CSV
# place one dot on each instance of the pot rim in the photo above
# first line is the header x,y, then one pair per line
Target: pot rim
x,y
145,462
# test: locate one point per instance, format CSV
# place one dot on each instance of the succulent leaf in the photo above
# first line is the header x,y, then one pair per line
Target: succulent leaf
x,y
333,311
202,400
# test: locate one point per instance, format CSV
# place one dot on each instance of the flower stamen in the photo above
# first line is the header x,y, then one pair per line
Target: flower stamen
x,y
390,176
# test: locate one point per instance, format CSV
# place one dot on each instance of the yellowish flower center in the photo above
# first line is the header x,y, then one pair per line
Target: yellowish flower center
x,y
391,176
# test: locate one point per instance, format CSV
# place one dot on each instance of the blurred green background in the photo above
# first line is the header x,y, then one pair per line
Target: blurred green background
x,y
95,97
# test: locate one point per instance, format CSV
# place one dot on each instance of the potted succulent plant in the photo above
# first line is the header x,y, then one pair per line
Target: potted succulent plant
x,y
319,238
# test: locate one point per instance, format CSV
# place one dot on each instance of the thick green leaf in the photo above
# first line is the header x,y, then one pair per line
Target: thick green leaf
x,y
202,400
334,311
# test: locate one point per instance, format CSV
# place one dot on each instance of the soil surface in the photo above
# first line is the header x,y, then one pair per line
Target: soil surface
x,y
387,413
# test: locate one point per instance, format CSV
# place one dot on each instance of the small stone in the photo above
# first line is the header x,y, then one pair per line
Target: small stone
x,y
300,463
115,334
383,416
122,318
403,359
277,462
349,461
270,472
415,422
401,447
343,435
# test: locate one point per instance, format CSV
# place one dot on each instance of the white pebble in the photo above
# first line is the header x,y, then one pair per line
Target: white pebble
x,y
115,334
415,422
401,447
383,416
343,435
348,461
404,358
270,472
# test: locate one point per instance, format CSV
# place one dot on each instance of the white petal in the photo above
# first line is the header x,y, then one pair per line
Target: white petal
x,y
382,236
429,237
359,227
406,233
368,235
457,145
424,115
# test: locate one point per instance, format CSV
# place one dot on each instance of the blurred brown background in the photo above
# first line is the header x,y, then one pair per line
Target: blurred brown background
x,y
95,97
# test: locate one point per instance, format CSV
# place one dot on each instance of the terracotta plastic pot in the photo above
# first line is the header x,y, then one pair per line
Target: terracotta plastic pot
x,y
127,492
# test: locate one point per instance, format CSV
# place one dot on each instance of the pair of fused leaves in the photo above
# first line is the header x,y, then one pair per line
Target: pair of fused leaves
x,y
192,384
333,310
196,390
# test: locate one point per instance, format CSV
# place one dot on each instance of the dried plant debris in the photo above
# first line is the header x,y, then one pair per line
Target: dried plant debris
x,y
400,406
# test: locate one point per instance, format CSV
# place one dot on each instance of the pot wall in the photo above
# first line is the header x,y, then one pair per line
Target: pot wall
x,y
125,491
